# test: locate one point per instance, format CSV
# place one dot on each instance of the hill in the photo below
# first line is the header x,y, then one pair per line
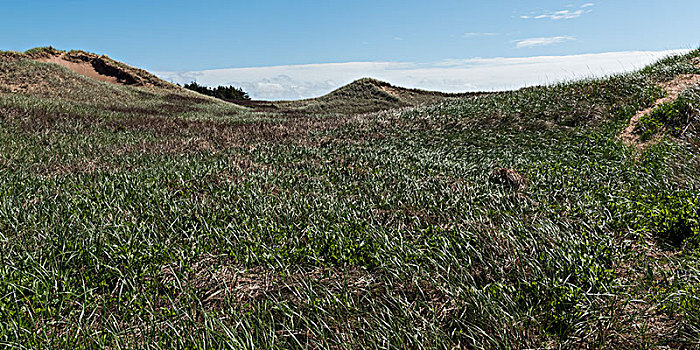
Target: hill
x,y
49,83
36,72
370,95
97,67
142,215
362,96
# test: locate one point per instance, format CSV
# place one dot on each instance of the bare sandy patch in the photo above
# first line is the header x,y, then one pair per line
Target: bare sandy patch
x,y
83,68
102,68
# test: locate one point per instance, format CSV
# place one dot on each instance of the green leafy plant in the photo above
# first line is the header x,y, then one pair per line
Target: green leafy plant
x,y
676,217
672,116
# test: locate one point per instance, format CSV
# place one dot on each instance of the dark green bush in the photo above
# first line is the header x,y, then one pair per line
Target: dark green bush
x,y
677,221
221,92
673,217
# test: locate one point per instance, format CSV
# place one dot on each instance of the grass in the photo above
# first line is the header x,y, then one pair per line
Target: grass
x,y
368,95
676,117
137,217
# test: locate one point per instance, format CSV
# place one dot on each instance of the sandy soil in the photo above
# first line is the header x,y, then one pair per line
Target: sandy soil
x,y
86,69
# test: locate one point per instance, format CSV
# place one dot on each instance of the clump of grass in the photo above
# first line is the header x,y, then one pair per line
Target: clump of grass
x,y
42,52
668,68
673,217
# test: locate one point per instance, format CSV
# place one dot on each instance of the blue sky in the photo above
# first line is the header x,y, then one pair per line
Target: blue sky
x,y
191,36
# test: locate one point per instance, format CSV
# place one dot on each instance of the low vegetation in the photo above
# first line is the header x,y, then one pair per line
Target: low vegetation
x,y
676,117
155,217
369,95
229,93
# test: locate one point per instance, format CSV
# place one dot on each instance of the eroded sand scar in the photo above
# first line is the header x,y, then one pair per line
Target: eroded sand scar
x,y
103,68
84,68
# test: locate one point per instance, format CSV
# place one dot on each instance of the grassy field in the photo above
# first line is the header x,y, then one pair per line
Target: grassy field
x,y
153,217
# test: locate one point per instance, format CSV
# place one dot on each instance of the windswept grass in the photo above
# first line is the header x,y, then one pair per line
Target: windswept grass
x,y
140,218
368,95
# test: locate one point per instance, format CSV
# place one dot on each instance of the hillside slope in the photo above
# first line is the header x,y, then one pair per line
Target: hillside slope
x,y
37,73
98,67
147,216
370,95
75,84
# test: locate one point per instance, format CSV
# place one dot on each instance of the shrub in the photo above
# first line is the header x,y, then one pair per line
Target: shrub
x,y
221,92
677,219
673,217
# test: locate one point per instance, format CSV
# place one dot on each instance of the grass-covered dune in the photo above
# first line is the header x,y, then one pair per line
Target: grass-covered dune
x,y
153,217
368,95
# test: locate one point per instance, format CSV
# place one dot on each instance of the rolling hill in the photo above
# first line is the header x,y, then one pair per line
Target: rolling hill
x,y
134,213
49,72
370,95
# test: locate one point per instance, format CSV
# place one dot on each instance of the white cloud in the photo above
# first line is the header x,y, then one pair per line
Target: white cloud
x,y
563,14
454,75
471,35
531,42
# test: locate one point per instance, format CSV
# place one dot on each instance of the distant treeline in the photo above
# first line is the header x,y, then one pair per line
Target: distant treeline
x,y
222,92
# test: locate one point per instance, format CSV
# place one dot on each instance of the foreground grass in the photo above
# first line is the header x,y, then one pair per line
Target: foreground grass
x,y
191,224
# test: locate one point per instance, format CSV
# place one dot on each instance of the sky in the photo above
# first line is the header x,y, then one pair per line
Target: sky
x,y
282,49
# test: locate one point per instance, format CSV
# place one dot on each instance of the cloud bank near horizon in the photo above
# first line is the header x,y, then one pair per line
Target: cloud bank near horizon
x,y
453,75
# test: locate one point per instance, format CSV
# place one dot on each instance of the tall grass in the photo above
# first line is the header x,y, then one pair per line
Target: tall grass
x,y
178,222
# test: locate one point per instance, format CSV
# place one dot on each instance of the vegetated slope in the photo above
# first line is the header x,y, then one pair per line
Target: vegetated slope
x,y
514,220
66,85
369,95
365,95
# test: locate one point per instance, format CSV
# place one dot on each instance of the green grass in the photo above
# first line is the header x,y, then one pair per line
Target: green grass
x,y
367,95
150,218
676,117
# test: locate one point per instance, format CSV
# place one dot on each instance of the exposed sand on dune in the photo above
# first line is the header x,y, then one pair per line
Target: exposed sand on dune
x,y
102,68
84,68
